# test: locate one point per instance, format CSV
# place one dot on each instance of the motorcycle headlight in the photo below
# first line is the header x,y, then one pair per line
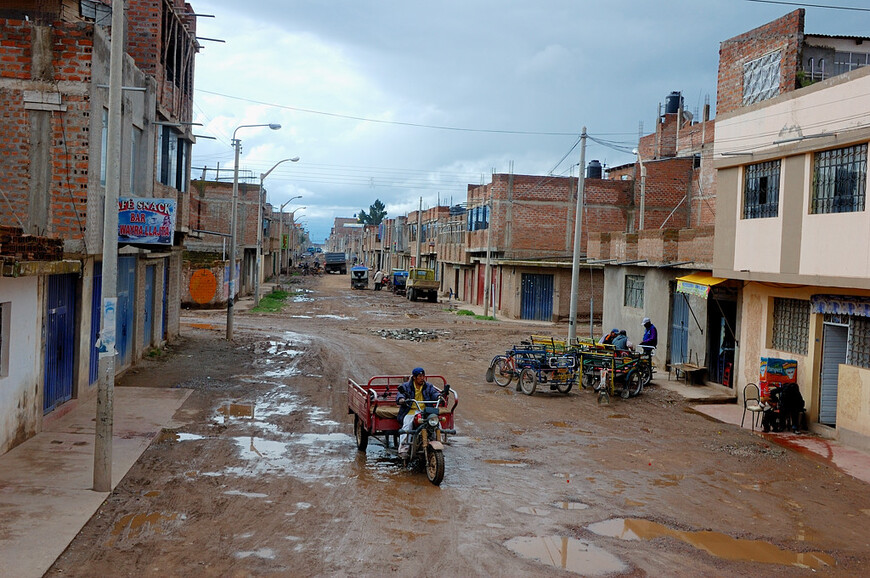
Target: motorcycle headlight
x,y
433,421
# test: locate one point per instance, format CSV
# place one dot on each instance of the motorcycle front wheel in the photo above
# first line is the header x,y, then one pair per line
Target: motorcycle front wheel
x,y
435,466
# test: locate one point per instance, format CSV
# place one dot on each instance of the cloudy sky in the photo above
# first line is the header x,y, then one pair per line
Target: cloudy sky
x,y
403,100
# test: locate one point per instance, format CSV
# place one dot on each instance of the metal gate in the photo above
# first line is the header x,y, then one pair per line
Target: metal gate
x,y
126,311
537,297
59,340
96,319
150,274
834,342
679,338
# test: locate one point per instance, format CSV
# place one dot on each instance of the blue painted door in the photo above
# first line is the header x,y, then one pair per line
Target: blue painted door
x,y
96,319
150,274
537,297
679,339
126,312
59,340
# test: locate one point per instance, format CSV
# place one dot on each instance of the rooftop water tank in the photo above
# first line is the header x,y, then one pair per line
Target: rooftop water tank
x,y
673,103
593,170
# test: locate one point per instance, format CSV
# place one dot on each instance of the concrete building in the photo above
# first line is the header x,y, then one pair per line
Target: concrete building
x,y
54,68
792,223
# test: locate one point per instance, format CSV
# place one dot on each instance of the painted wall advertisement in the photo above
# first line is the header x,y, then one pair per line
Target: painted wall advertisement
x,y
146,221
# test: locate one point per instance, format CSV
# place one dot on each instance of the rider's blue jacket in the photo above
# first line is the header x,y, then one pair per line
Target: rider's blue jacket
x,y
406,391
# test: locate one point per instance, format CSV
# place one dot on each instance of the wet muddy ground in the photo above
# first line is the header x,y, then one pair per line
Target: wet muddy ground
x,y
265,478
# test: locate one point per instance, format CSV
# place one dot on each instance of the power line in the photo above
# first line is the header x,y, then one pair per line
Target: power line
x,y
806,5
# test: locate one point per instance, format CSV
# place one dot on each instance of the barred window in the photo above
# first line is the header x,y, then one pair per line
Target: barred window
x,y
761,190
839,180
791,325
858,352
761,78
634,291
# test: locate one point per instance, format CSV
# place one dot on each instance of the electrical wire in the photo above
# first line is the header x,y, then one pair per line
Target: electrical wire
x,y
807,5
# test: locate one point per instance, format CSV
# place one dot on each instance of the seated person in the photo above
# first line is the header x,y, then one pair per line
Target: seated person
x,y
608,338
622,343
417,388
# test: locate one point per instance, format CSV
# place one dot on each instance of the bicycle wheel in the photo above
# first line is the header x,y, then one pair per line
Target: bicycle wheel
x,y
645,374
502,372
633,384
528,381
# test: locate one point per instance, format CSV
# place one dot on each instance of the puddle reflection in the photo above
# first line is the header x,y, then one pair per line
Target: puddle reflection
x,y
714,543
567,553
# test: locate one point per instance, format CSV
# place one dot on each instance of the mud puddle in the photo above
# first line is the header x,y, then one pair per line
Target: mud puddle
x,y
714,543
568,554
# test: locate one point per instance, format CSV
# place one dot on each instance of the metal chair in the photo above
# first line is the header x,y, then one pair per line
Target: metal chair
x,y
751,403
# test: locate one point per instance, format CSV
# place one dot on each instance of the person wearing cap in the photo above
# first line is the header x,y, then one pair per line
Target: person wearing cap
x,y
608,338
416,388
650,336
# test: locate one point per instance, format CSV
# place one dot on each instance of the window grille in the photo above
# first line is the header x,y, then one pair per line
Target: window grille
x,y
849,61
839,180
761,190
634,291
761,78
858,351
791,325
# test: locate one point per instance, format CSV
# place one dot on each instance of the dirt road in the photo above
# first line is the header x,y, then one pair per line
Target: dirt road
x,y
266,479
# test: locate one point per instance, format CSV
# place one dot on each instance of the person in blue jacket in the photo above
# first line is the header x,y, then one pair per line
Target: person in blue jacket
x,y
650,335
416,388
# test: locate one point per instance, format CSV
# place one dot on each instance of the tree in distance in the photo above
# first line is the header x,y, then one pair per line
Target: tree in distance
x,y
376,214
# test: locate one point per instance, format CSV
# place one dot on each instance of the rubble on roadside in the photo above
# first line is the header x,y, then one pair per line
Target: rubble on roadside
x,y
409,334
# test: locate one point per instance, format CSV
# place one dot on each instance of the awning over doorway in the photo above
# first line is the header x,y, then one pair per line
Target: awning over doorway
x,y
841,305
698,284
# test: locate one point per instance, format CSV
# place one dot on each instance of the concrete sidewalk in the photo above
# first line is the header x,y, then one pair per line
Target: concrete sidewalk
x,y
45,482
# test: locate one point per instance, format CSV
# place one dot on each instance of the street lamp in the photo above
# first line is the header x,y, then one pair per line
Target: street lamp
x,y
281,235
260,226
642,188
237,146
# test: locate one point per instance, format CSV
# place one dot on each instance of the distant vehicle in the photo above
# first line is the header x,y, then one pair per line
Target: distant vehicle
x,y
422,283
397,281
359,277
335,263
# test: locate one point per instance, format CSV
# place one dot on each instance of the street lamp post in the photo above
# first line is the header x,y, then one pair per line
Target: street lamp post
x,y
237,146
281,235
260,227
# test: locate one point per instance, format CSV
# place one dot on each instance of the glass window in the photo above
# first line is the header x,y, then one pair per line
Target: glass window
x,y
761,190
634,291
839,180
858,351
761,78
791,325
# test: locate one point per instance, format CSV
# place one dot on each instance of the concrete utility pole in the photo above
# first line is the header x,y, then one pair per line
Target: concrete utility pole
x,y
260,228
419,231
487,274
237,147
578,233
104,426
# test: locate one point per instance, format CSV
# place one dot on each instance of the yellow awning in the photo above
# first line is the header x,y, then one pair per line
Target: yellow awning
x,y
698,283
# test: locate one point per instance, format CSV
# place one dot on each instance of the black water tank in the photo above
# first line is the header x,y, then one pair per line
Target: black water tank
x,y
593,170
673,102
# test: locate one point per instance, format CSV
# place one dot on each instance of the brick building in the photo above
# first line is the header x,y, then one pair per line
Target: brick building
x,y
54,68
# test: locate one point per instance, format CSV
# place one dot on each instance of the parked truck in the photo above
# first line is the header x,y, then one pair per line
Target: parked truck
x,y
422,283
335,263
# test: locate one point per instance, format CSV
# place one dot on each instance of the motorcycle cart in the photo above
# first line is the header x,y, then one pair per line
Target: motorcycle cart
x,y
359,277
375,412
398,281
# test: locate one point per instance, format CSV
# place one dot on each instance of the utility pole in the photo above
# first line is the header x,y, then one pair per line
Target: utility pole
x,y
487,274
578,230
419,231
104,426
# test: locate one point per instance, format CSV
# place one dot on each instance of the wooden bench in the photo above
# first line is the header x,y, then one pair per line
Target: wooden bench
x,y
689,372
